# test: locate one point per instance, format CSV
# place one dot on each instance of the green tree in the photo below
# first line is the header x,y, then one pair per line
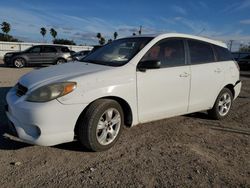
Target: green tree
x,y
244,48
5,26
53,33
43,32
8,38
115,35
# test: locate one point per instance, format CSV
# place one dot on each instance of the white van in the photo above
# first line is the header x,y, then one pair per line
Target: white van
x,y
129,81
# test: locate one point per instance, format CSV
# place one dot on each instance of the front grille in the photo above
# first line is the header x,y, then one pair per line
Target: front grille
x,y
21,90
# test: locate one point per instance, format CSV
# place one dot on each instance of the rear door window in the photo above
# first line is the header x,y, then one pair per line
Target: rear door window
x,y
49,49
200,52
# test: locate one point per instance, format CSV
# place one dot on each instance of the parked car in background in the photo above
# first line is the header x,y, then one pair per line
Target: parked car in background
x,y
40,54
243,59
96,47
127,82
79,55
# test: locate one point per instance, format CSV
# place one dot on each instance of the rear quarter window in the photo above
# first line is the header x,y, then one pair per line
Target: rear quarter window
x,y
223,54
200,52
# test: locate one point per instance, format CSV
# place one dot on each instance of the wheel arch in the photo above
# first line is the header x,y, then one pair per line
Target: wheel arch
x,y
58,58
128,115
231,88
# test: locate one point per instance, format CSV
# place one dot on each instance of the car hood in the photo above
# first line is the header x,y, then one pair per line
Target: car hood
x,y
61,72
14,53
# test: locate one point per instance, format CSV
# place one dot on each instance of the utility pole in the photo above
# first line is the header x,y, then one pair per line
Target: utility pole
x,y
230,44
140,31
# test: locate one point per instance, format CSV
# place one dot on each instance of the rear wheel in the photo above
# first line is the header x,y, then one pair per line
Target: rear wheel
x,y
19,62
222,105
101,126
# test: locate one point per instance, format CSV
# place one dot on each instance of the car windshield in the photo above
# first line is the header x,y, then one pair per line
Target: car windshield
x,y
28,49
118,52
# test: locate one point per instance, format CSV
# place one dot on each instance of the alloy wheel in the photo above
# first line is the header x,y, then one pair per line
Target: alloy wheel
x,y
108,126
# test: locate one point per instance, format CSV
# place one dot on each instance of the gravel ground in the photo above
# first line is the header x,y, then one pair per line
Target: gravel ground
x,y
185,151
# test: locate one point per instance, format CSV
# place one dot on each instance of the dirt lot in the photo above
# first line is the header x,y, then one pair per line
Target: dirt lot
x,y
185,151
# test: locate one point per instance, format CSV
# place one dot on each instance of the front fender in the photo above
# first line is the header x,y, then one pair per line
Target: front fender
x,y
123,87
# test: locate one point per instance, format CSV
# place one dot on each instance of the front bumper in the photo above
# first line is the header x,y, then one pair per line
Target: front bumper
x,y
45,124
7,60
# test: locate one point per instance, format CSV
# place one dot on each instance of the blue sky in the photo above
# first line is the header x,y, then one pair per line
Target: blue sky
x,y
80,20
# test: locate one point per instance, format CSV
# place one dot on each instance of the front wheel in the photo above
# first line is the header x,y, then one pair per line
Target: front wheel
x,y
222,105
19,62
101,126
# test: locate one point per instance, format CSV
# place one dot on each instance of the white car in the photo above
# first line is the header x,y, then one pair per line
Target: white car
x,y
129,81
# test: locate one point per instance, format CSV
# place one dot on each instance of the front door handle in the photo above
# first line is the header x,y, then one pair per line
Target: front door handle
x,y
185,74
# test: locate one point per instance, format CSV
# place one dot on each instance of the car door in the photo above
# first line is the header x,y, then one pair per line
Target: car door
x,y
164,92
34,54
48,54
207,76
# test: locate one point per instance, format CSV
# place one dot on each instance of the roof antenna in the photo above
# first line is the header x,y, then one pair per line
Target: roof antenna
x,y
201,31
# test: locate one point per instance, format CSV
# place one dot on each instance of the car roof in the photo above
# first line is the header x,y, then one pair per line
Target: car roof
x,y
51,45
181,35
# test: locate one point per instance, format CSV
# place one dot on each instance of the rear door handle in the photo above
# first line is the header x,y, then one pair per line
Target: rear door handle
x,y
218,70
185,74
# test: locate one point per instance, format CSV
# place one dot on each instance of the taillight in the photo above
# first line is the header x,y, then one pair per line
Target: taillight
x,y
237,65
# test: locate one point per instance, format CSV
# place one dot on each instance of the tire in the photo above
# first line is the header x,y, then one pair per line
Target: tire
x,y
96,131
60,61
19,62
222,105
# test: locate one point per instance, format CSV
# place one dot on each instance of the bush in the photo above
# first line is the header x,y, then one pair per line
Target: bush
x,y
8,38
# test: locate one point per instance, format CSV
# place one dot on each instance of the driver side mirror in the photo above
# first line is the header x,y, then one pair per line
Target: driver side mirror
x,y
149,64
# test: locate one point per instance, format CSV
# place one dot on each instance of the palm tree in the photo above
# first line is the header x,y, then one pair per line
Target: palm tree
x,y
5,27
102,41
43,32
99,36
115,35
53,33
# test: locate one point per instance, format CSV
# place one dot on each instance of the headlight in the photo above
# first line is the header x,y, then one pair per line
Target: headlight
x,y
8,55
50,92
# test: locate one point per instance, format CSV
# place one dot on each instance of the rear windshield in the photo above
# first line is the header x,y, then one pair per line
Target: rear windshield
x,y
65,49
